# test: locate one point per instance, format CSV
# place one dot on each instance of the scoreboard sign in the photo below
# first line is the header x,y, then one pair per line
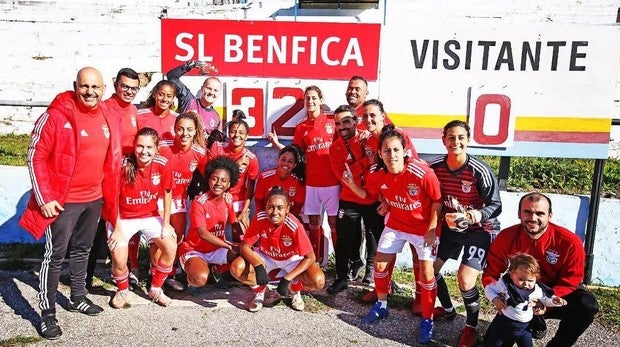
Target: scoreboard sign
x,y
537,90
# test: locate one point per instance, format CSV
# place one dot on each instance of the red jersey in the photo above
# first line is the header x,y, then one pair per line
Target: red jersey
x,y
314,138
240,191
210,214
292,186
371,147
139,200
94,134
163,125
182,164
281,242
559,252
351,153
410,195
127,114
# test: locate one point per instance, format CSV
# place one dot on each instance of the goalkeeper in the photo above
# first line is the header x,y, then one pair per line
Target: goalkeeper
x,y
203,102
471,204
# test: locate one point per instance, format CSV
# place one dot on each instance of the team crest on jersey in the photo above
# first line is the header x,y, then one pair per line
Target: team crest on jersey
x,y
552,256
193,165
156,179
329,128
413,189
133,121
291,191
287,241
368,151
466,186
106,131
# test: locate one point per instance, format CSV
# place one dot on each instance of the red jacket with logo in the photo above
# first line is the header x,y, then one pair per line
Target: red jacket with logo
x,y
559,252
52,154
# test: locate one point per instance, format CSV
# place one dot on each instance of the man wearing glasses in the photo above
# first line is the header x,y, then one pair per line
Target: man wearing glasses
x,y
126,87
203,102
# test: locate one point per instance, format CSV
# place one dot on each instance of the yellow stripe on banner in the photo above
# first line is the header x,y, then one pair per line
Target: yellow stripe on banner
x,y
523,123
433,121
564,124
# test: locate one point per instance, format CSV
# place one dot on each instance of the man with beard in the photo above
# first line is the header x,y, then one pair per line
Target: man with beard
x,y
203,102
561,256
347,155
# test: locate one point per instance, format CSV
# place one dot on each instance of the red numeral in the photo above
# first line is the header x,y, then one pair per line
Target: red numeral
x,y
504,119
278,124
256,113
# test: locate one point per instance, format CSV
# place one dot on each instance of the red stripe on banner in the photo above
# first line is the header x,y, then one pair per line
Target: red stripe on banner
x,y
565,137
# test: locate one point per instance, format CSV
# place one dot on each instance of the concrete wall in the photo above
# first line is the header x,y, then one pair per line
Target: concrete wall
x,y
569,211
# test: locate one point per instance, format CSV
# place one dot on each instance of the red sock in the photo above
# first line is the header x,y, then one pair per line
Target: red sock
x,y
134,251
315,232
428,293
416,276
297,286
257,289
159,274
122,281
383,279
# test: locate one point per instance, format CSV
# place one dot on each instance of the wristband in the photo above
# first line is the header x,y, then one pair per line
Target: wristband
x,y
283,286
261,275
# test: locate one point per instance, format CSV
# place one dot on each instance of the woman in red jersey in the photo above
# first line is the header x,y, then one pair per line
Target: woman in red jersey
x,y
185,154
157,110
145,175
411,190
283,249
289,175
209,214
242,192
314,136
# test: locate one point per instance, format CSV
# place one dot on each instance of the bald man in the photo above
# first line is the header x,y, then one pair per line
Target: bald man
x,y
74,151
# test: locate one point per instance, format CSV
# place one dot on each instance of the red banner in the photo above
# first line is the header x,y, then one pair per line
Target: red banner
x,y
273,49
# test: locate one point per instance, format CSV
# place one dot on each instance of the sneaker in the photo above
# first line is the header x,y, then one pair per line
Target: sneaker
x,y
297,303
49,327
468,337
85,306
369,277
539,334
157,295
174,284
356,270
133,278
425,331
257,303
337,287
376,313
120,299
442,313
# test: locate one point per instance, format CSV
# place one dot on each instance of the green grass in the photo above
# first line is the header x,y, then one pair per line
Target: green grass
x,y
19,341
13,149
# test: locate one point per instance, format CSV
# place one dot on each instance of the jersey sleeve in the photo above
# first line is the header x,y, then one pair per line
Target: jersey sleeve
x,y
488,188
304,246
197,215
166,177
298,138
232,217
260,193
431,185
252,234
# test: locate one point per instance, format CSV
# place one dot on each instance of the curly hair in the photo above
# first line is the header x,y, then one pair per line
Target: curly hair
x,y
199,137
300,168
223,162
